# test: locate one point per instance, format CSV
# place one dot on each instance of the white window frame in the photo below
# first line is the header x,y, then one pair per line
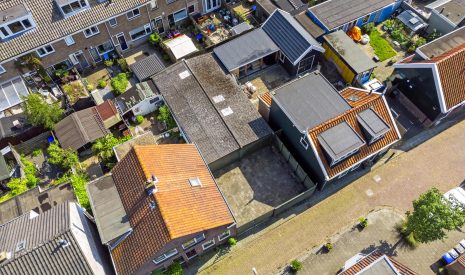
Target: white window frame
x,y
336,161
304,142
20,20
206,245
227,233
69,40
282,57
132,12
113,25
87,6
145,27
166,256
45,50
196,240
355,167
93,33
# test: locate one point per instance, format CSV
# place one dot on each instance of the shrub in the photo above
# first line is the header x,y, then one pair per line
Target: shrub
x,y
90,87
103,147
139,119
155,39
166,117
36,152
389,24
119,83
101,84
166,57
30,171
40,112
232,241
62,73
174,269
109,62
398,36
296,265
363,222
434,35
123,64
368,28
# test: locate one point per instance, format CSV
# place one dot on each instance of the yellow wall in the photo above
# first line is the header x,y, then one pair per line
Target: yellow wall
x,y
343,69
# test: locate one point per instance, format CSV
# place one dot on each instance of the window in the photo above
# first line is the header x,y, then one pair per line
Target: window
x,y
207,245
158,25
224,235
16,27
304,142
113,22
74,7
343,174
154,100
194,182
191,9
179,15
2,70
69,40
91,31
356,167
105,47
133,14
165,256
336,161
45,50
193,241
282,57
140,32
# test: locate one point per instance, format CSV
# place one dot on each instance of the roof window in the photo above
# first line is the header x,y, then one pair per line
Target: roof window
x,y
194,182
15,20
72,7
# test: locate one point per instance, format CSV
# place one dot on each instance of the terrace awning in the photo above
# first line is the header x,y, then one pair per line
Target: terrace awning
x,y
11,93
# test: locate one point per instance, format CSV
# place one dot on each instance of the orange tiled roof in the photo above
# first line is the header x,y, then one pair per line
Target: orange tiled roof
x,y
451,70
266,97
365,100
181,209
371,258
185,209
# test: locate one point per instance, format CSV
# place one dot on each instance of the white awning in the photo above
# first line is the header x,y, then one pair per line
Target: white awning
x,y
181,46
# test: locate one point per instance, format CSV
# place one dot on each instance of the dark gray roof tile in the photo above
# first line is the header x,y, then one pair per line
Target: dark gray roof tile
x,y
147,67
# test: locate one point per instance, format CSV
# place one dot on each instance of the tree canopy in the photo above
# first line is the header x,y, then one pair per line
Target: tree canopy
x,y
40,113
65,158
432,216
166,117
103,147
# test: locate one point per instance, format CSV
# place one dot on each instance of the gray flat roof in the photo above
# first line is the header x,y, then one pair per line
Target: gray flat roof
x,y
240,28
334,13
111,218
245,49
147,67
411,20
444,43
291,38
350,52
310,101
454,10
340,140
373,124
315,30
123,149
210,107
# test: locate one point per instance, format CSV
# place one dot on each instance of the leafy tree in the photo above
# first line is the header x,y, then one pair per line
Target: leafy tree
x,y
432,216
78,181
103,147
119,83
166,117
101,84
39,112
139,119
174,269
368,28
66,159
30,171
123,64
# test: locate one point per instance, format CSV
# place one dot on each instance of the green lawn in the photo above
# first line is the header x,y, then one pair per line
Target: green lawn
x,y
382,48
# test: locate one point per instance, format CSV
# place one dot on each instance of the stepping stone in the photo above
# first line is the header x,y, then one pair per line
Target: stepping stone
x,y
369,192
377,179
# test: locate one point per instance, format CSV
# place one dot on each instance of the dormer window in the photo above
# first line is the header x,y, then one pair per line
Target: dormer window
x,y
15,20
71,7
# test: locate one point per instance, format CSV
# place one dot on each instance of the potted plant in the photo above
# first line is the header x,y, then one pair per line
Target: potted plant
x,y
328,246
363,222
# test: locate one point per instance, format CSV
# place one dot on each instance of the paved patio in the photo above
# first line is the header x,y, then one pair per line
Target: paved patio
x,y
436,162
257,183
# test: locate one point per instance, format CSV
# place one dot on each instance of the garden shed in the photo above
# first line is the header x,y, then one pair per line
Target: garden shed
x,y
179,47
